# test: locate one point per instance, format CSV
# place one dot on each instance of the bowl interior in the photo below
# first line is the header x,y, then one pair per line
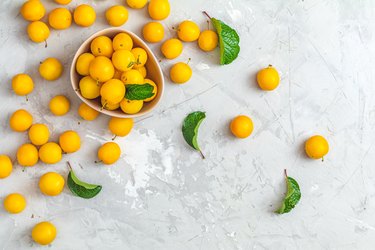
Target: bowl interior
x,y
154,73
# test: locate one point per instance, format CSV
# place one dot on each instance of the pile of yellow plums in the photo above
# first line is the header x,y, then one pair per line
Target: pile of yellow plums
x,y
109,66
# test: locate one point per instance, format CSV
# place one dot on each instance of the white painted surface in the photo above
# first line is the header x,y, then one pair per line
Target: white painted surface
x,y
161,195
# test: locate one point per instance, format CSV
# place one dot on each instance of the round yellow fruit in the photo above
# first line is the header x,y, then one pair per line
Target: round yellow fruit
x,y
180,73
51,184
6,166
109,106
101,69
50,69
20,120
142,70
122,41
90,89
38,31
83,63
63,2
268,78
155,91
84,15
241,126
60,18
136,4
208,40
153,32
123,60
39,134
22,84
27,155
102,46
59,105
44,233
120,126
87,113
70,141
132,77
188,31
14,203
159,9
140,56
131,106
50,153
172,48
316,147
33,10
113,91
109,153
116,15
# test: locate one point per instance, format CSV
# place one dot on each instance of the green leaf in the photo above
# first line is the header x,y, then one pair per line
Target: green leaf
x,y
292,196
228,41
190,128
80,188
139,91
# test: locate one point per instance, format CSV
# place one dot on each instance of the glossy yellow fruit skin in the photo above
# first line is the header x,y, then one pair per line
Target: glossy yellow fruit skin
x,y
123,60
132,77
22,84
14,203
109,153
120,126
39,134
70,141
83,63
50,69
180,73
172,48
27,155
155,91
60,18
188,31
44,233
84,15
113,91
59,105
153,32
208,40
33,10
87,113
101,69
90,89
316,147
142,70
122,41
268,78
51,184
140,56
50,153
241,126
136,4
159,9
63,2
117,15
20,120
38,31
109,106
6,166
102,46
131,106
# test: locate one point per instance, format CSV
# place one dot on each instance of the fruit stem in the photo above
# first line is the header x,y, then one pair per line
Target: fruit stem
x,y
188,61
203,157
206,14
27,98
69,166
285,173
114,137
323,159
96,162
45,44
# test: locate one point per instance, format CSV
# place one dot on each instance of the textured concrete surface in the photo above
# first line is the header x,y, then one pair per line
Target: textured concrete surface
x,y
161,194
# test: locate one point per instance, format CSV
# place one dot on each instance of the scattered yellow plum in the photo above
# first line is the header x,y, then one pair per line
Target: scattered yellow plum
x,y
109,153
70,141
20,120
208,40
316,147
136,4
87,113
268,78
84,15
188,31
22,84
241,126
153,32
6,166
116,15
50,69
27,155
44,233
172,48
51,184
50,153
14,203
159,9
60,18
180,73
59,105
38,32
33,10
120,126
39,134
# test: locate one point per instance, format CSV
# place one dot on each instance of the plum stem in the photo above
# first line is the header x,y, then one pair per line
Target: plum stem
x,y
206,14
203,157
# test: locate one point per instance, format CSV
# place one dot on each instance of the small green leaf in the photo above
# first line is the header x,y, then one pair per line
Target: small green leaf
x,y
292,196
190,129
228,41
139,91
80,188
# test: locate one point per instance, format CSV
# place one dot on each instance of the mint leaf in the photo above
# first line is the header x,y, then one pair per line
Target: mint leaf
x,y
80,188
139,91
190,128
228,41
292,196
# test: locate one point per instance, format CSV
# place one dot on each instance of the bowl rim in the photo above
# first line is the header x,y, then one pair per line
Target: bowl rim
x,y
114,113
